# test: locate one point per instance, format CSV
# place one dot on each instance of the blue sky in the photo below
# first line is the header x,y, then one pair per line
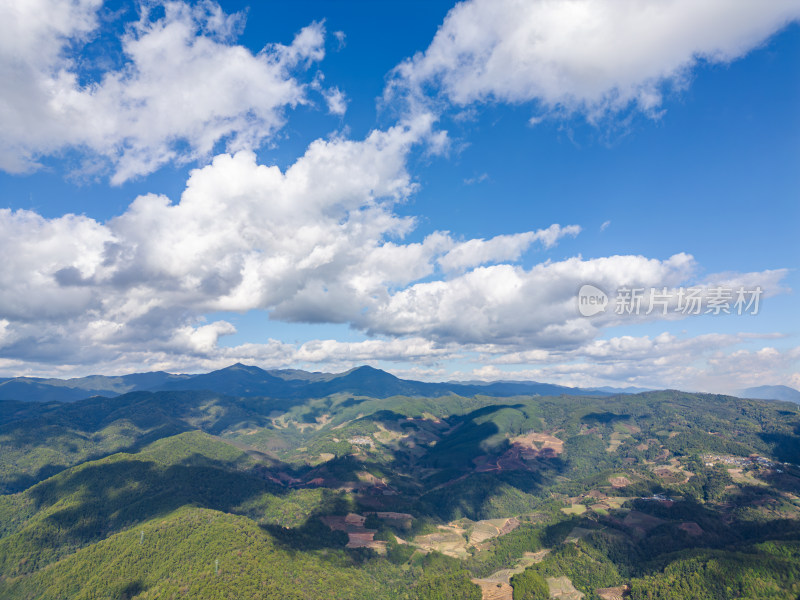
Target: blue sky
x,y
421,186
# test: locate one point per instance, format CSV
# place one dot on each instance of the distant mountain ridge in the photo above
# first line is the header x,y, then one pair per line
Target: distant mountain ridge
x,y
38,389
771,392
251,381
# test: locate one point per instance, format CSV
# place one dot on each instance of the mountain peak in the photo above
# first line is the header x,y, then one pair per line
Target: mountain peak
x,y
252,369
367,371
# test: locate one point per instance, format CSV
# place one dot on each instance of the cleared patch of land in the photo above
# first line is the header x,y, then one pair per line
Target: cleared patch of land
x,y
641,522
691,528
739,475
619,481
538,445
492,590
491,528
577,533
454,538
358,535
562,589
672,472
528,559
574,509
401,520
448,540
617,440
613,593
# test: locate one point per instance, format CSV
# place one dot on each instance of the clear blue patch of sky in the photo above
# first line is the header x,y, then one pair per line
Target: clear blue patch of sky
x,y
717,176
256,327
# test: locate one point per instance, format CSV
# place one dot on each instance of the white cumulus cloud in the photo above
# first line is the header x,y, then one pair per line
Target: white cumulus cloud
x,y
184,87
502,247
592,56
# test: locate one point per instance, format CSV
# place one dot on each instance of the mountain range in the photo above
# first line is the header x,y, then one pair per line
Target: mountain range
x,y
250,381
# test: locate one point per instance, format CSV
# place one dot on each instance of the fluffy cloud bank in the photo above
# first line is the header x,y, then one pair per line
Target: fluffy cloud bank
x,y
583,55
318,242
184,86
711,362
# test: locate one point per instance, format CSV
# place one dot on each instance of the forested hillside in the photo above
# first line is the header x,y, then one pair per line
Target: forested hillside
x,y
199,494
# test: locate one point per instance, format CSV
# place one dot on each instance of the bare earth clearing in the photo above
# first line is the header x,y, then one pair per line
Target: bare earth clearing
x,y
358,535
492,590
614,593
562,589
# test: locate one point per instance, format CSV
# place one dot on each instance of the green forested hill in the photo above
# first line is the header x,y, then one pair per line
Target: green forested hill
x,y
206,554
674,495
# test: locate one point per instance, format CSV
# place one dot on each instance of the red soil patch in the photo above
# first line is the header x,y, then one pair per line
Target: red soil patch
x,y
691,528
485,463
492,590
523,450
511,525
641,522
357,535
